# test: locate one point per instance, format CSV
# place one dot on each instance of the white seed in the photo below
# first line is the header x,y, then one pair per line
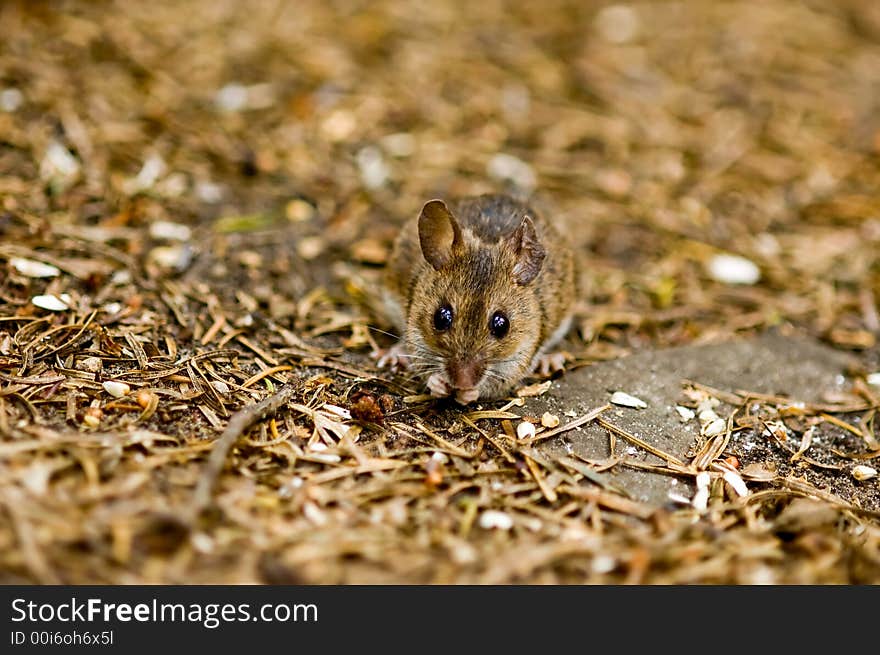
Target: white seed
x,y
701,498
738,484
327,458
235,97
177,257
603,564
298,211
759,574
209,192
549,420
707,403
36,477
91,364
402,144
92,415
32,268
202,543
685,413
220,386
862,472
707,416
493,519
626,400
92,420
767,245
116,389
732,269
170,231
173,186
341,412
440,457
314,514
373,169
153,168
874,379
515,101
10,99
507,167
676,497
339,125
58,164
525,430
463,553
121,277
617,23
310,247
716,427
52,303
232,97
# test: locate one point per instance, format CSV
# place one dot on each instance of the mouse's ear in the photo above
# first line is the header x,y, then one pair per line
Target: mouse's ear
x,y
439,233
528,252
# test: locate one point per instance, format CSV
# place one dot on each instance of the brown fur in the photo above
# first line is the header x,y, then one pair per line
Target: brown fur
x,y
485,254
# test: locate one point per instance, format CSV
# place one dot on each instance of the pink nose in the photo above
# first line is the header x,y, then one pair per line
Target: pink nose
x,y
465,375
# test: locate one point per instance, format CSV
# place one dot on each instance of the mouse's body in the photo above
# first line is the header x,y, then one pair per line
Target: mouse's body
x,y
479,291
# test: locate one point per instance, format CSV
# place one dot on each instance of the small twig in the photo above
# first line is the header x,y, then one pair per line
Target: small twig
x,y
266,373
740,396
609,500
510,458
571,425
450,447
640,443
545,488
842,424
27,539
239,422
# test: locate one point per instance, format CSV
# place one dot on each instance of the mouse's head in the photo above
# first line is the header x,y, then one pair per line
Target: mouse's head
x,y
474,324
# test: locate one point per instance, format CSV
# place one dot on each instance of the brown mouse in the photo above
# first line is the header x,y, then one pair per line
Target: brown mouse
x,y
480,291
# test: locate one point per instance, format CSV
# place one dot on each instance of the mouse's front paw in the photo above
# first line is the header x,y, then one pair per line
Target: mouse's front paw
x,y
396,358
466,396
438,386
548,363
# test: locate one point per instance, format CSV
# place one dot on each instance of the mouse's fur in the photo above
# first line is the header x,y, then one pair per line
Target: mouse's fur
x,y
482,255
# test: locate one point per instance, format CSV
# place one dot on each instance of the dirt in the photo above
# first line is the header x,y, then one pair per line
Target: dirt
x,y
197,198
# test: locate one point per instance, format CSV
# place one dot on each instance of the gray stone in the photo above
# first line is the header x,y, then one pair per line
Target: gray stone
x,y
791,366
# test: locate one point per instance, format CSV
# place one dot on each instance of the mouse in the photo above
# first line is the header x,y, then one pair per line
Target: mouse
x,y
480,290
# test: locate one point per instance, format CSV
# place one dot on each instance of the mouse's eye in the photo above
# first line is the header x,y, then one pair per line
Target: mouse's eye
x,y
499,324
443,318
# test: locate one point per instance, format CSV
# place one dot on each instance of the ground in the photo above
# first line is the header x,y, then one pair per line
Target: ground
x,y
196,199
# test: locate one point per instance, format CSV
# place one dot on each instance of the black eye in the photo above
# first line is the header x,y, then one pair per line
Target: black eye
x,y
499,324
443,318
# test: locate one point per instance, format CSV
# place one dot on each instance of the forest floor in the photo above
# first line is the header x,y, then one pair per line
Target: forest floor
x,y
196,199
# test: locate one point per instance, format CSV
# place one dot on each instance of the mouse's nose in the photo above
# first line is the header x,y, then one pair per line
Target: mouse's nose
x,y
465,374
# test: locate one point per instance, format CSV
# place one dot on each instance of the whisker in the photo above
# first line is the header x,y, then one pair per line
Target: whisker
x,y
375,329
412,356
509,360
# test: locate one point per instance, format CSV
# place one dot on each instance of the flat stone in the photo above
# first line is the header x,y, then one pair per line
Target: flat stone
x,y
795,367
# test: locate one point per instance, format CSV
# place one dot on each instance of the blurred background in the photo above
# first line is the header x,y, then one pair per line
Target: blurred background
x,y
660,134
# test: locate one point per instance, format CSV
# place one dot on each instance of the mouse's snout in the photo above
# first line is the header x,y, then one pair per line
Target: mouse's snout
x,y
465,374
